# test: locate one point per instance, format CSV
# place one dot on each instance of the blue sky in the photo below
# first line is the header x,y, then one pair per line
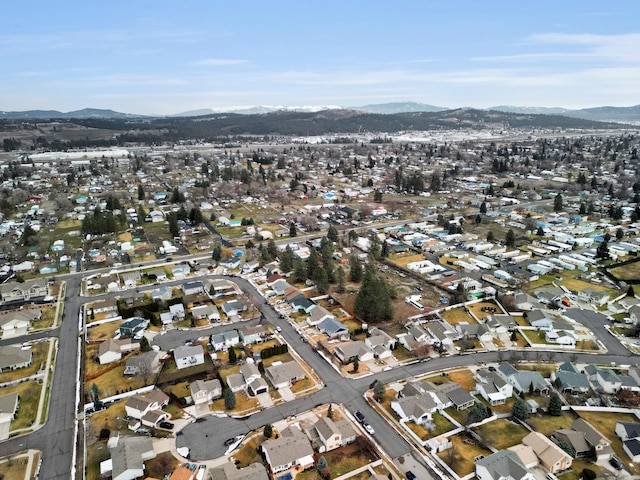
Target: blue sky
x,y
163,57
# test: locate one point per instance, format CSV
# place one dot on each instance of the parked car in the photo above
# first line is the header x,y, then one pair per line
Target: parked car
x,y
411,476
615,463
167,425
369,429
359,416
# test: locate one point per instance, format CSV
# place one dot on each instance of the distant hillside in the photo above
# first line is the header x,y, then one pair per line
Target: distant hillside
x,y
51,114
399,107
599,114
329,122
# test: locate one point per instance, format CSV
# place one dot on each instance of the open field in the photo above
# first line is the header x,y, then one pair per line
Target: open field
x,y
631,271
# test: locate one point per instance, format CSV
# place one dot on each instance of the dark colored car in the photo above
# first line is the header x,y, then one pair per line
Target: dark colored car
x,y
229,441
167,425
615,463
359,416
411,476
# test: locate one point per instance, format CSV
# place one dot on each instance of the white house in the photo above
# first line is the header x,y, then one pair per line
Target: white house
x,y
186,356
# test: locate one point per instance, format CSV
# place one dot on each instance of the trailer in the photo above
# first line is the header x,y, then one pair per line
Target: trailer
x,y
560,263
521,258
494,281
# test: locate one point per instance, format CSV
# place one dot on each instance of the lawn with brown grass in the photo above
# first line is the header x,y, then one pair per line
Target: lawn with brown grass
x,y
340,462
29,393
547,424
460,457
114,381
476,308
103,331
243,404
112,417
403,260
457,315
301,385
502,433
47,319
284,357
248,451
442,425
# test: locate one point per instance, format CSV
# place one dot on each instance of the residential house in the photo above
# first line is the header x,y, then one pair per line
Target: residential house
x,y
415,408
133,327
228,471
28,290
327,435
252,334
347,352
230,263
524,381
318,314
492,387
16,322
203,392
130,279
234,307
502,465
500,323
561,337
291,449
166,318
105,305
159,273
150,361
629,433
603,379
148,407
634,314
209,311
13,357
478,331
550,455
280,286
333,328
225,340
569,379
442,333
449,394
127,458
162,293
380,342
9,405
111,350
302,304
291,293
575,439
182,473
595,297
177,312
283,375
192,288
188,356
594,438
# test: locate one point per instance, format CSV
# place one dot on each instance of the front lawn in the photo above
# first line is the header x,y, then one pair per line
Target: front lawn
x,y
39,352
340,462
442,426
29,393
502,433
243,404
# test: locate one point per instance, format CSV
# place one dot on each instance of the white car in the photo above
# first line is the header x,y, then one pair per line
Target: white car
x,y
369,428
278,328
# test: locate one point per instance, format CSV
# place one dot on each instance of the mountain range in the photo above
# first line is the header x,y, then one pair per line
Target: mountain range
x,y
602,114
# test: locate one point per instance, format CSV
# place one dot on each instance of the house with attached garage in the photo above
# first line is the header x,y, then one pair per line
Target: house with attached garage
x,y
283,375
209,311
291,449
130,279
327,435
603,379
550,455
177,312
333,328
225,340
158,273
203,392
188,356
147,408
9,405
502,465
234,307
133,327
106,305
192,288
128,457
302,304
251,334
349,351
523,381
318,314
568,378
17,322
13,357
228,471
501,323
150,361
492,387
111,350
417,408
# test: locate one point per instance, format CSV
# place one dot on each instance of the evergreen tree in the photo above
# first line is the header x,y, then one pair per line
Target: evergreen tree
x,y
379,390
268,430
332,234
510,239
583,209
356,365
483,207
140,192
490,236
216,253
286,260
293,232
557,203
272,249
630,292
229,399
540,232
340,276
312,264
619,233
555,405
233,358
173,225
320,280
373,303
299,270
602,252
519,409
355,269
330,412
